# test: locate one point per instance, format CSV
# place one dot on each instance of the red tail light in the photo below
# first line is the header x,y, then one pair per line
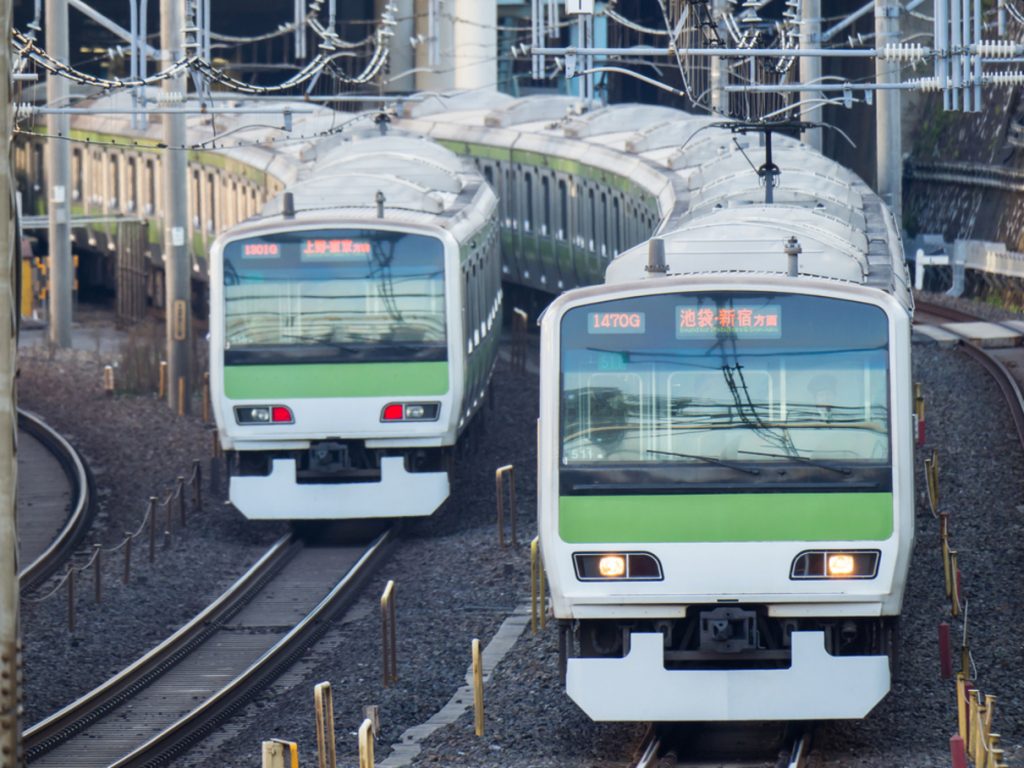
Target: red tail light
x,y
393,412
281,415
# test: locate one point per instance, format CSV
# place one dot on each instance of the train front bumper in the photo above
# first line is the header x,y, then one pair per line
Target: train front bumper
x,y
399,493
817,686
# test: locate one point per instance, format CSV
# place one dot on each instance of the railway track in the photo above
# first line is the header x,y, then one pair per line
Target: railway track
x,y
1004,364
711,745
51,520
180,691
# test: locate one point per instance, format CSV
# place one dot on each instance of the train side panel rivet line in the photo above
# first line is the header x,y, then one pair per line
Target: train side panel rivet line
x,y
280,754
478,689
325,746
388,636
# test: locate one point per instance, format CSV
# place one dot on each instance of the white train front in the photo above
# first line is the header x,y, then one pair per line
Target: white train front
x,y
725,469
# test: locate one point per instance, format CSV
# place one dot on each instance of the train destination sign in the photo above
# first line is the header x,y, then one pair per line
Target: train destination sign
x,y
616,322
321,246
763,321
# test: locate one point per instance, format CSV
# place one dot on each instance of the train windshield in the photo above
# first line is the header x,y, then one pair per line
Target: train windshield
x,y
726,383
334,296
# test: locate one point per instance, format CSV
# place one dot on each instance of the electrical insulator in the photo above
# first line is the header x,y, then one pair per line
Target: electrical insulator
x,y
907,52
1005,78
23,110
996,49
170,97
927,84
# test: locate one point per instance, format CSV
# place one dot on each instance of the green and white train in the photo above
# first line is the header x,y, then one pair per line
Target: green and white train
x,y
726,501
353,331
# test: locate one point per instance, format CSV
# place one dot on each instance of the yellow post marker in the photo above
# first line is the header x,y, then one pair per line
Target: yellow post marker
x,y
931,476
978,730
162,380
946,569
954,568
181,395
961,705
27,294
500,474
478,688
366,759
388,636
280,754
108,380
325,747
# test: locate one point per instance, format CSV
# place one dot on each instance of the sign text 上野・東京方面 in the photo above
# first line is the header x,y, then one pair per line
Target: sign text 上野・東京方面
x,y
334,246
762,321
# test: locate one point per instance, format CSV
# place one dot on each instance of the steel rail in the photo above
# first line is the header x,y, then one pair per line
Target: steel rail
x,y
75,717
1000,373
655,753
207,716
83,502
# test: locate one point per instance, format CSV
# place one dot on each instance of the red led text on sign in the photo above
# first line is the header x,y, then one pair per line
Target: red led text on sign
x,y
261,249
764,321
615,322
329,247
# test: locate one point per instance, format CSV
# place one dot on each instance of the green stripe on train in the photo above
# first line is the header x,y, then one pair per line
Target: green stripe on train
x,y
252,382
726,517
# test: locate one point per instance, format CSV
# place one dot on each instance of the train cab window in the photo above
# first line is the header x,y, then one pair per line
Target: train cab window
x,y
563,210
691,383
322,296
545,226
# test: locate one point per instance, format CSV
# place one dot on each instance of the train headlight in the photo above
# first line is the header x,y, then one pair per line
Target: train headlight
x,y
612,566
617,566
832,564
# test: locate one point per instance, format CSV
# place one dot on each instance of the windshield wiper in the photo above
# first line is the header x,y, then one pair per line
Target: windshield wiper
x,y
709,460
801,459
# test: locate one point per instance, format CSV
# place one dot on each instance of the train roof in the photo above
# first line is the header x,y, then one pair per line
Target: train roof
x,y
699,168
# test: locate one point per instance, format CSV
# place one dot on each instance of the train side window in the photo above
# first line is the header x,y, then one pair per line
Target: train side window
x,y
604,228
96,174
528,208
510,207
76,175
468,310
545,226
592,228
617,219
211,190
489,175
563,209
38,167
197,201
151,181
132,199
115,182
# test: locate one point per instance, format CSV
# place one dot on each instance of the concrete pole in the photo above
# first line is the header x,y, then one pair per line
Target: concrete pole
x,y
719,66
177,272
435,19
61,273
10,254
401,57
810,70
887,110
476,45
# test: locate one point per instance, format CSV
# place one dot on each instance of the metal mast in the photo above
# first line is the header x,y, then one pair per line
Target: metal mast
x,y
175,209
60,281
887,109
10,647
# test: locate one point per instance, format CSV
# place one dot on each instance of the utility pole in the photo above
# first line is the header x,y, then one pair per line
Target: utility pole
x,y
435,28
60,281
810,70
476,45
719,66
401,56
10,645
887,110
177,272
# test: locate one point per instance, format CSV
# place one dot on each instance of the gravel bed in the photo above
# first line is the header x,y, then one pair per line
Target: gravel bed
x,y
454,583
136,448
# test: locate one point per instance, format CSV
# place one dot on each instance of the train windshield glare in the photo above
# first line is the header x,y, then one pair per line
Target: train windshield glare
x,y
334,295
735,380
